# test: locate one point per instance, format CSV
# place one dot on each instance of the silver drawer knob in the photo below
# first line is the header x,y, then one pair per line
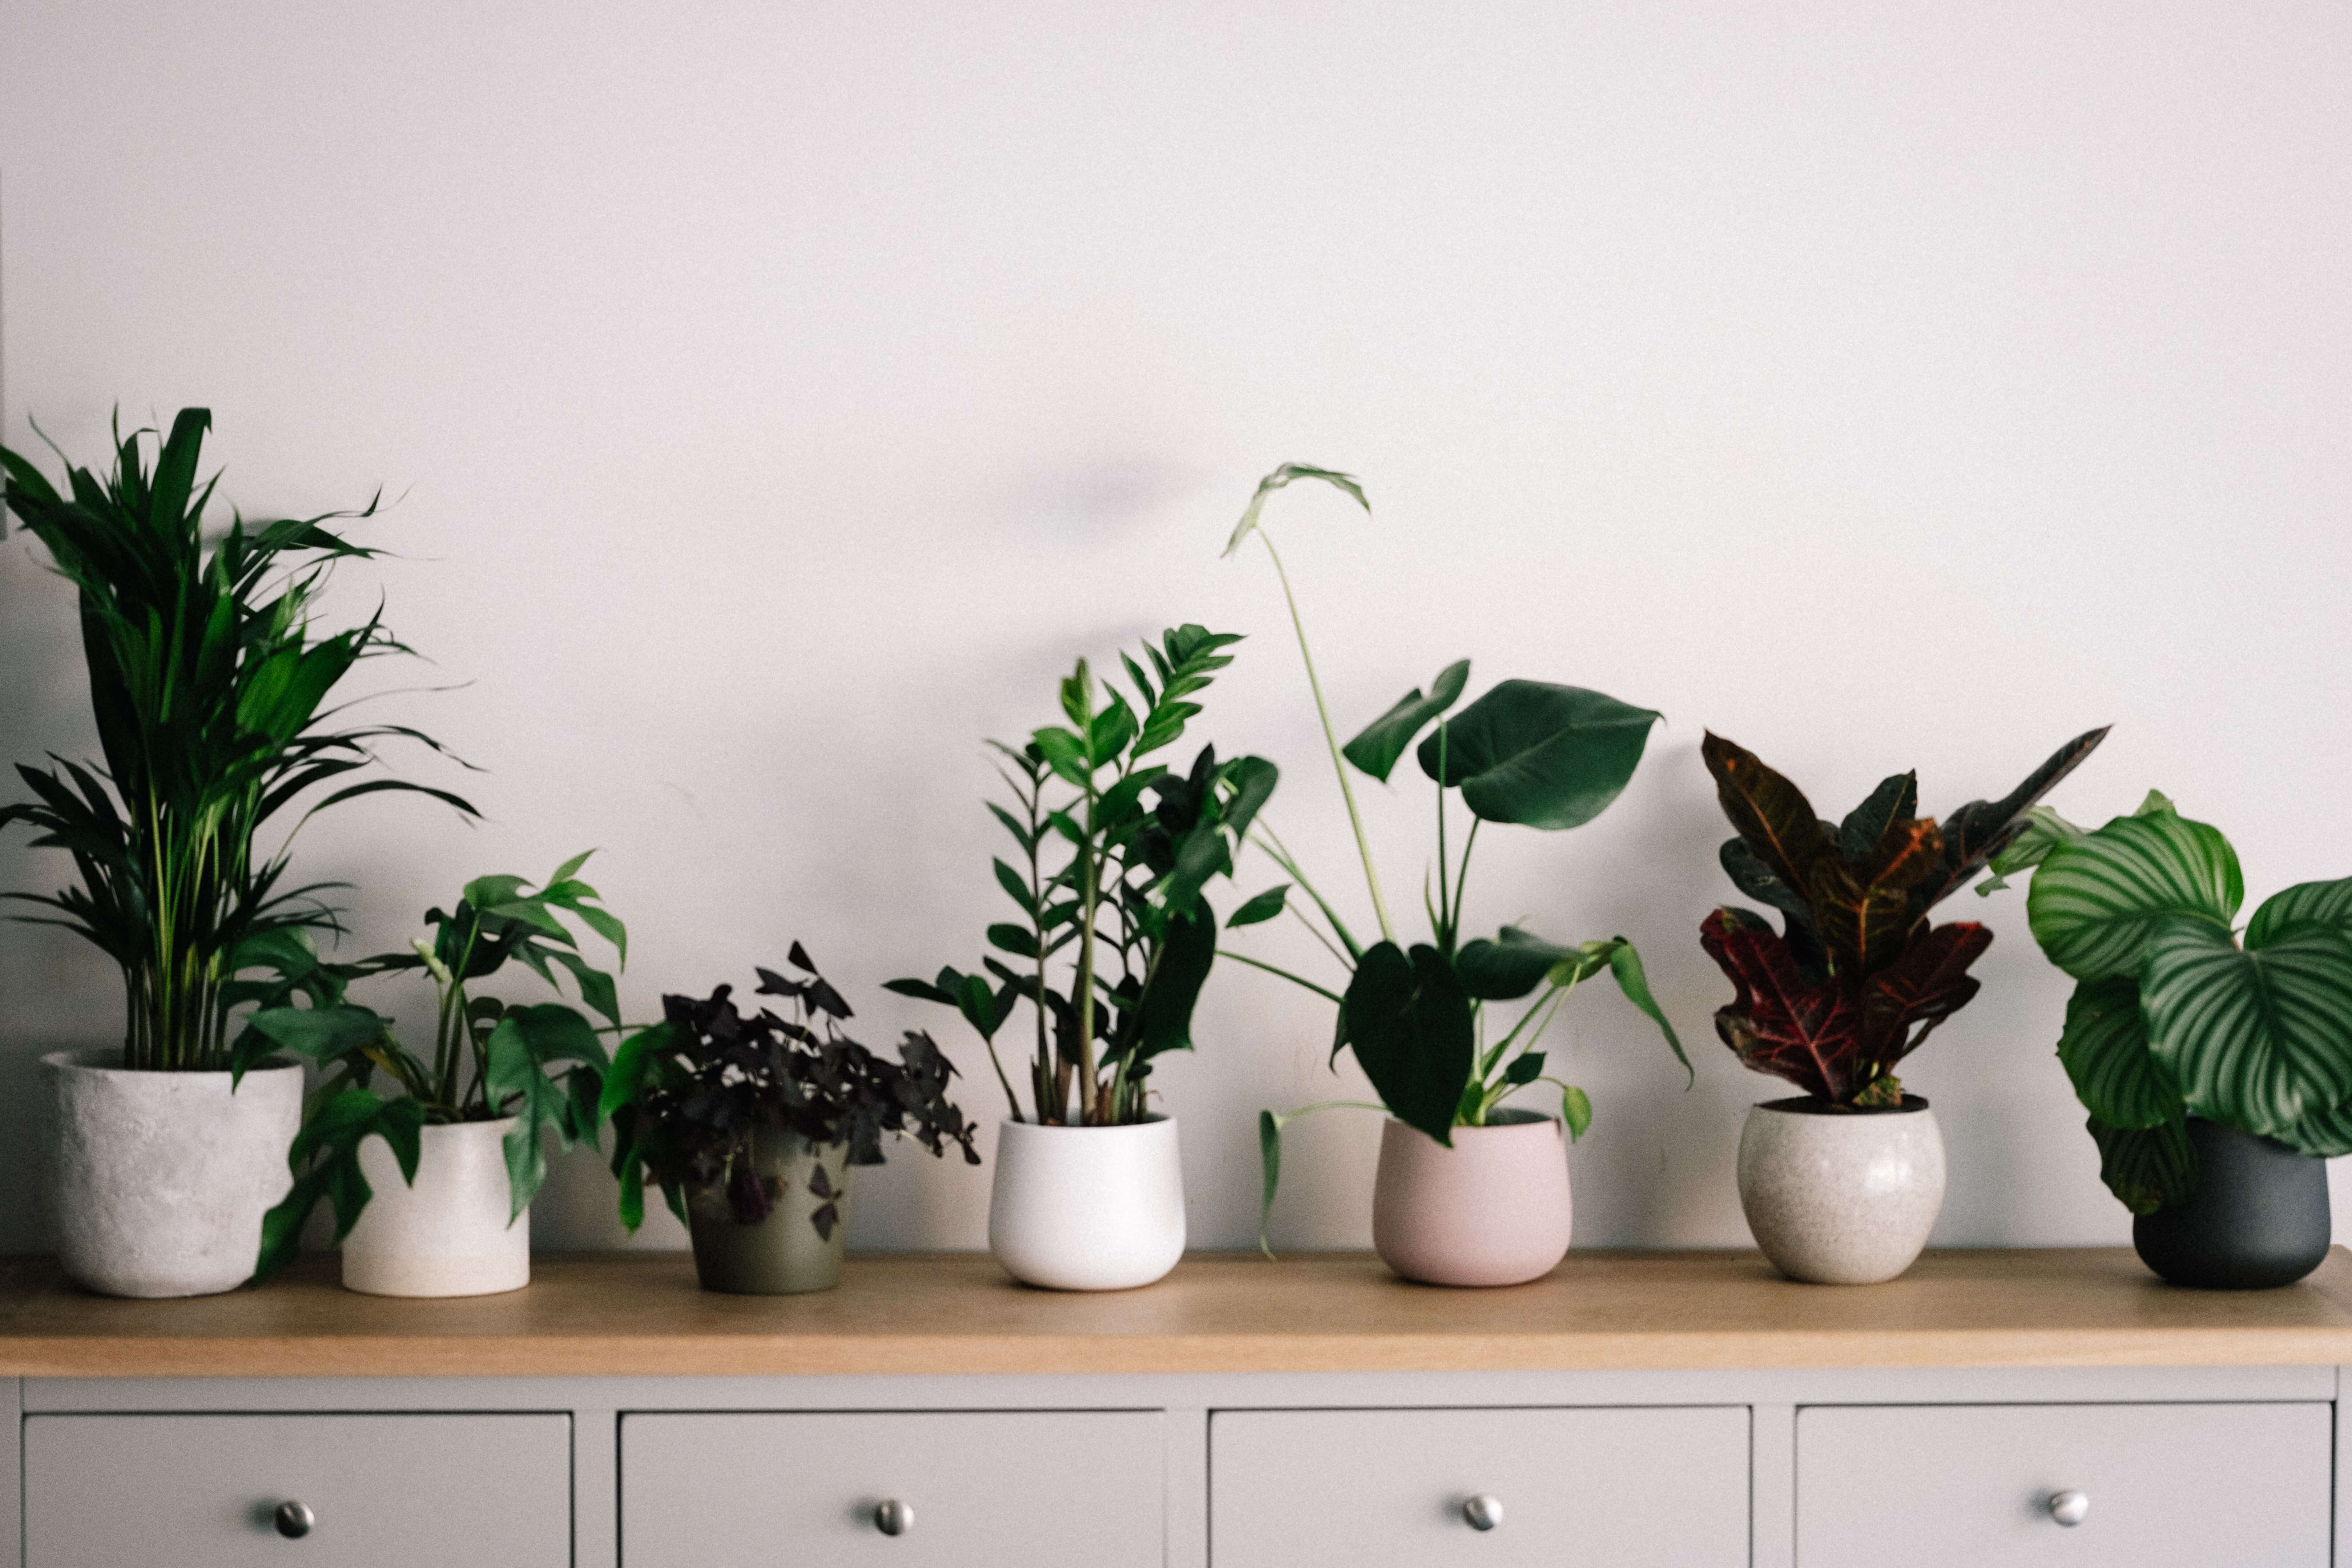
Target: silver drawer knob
x,y
2069,1508
1484,1511
294,1519
892,1517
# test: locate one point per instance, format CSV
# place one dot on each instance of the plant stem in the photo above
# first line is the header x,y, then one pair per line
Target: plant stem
x,y
1462,876
1444,924
1322,711
1270,969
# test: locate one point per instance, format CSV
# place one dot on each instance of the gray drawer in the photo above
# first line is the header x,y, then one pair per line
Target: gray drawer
x,y
199,1492
1633,1489
1042,1488
1968,1485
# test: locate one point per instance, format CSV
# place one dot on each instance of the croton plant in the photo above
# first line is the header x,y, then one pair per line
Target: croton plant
x,y
1857,978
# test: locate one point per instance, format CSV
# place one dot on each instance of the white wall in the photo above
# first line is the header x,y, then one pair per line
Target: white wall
x,y
780,396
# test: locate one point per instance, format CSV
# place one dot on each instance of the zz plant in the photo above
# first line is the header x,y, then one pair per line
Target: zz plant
x,y
1857,978
1528,752
688,1098
540,1063
1115,936
210,687
2177,1011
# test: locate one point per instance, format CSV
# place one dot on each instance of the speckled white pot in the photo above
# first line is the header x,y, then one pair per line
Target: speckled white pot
x,y
449,1234
1087,1208
1841,1198
163,1177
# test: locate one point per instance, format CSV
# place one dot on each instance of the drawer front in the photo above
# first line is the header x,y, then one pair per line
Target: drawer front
x,y
201,1491
1970,1486
1040,1489
1632,1489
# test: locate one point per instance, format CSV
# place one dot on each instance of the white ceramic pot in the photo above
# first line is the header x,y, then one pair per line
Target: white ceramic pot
x,y
1841,1198
1493,1209
1087,1208
163,1177
449,1234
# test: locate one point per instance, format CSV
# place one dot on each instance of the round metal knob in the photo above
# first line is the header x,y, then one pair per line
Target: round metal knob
x,y
892,1517
2069,1508
1484,1511
294,1519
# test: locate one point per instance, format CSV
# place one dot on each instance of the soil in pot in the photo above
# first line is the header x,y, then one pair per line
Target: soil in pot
x,y
2258,1219
797,1247
1840,1196
1493,1209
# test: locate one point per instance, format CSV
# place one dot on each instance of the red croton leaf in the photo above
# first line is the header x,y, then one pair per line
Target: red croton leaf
x,y
1809,1035
1863,907
1771,813
1926,985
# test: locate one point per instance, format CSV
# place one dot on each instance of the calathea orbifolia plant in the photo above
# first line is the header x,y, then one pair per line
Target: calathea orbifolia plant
x,y
1526,751
540,1063
1115,938
689,1097
209,684
2175,1011
1858,978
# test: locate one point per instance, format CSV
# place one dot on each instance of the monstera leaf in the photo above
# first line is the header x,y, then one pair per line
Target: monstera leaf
x,y
1385,738
1518,961
1548,756
1410,1023
2095,899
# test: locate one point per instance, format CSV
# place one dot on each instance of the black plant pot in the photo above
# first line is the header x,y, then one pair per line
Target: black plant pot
x,y
2258,1218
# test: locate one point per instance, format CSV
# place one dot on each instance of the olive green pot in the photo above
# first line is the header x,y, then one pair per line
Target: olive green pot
x,y
783,1255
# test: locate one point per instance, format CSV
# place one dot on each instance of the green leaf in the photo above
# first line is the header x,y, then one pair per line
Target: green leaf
x,y
1517,961
1410,1023
1185,955
1018,941
1525,1068
1270,1159
2327,903
2095,899
1264,907
1283,475
2105,1053
1576,1110
2260,1039
1386,738
322,1034
1065,754
1626,965
1016,889
2043,831
2148,1169
2324,1136
1548,756
629,1064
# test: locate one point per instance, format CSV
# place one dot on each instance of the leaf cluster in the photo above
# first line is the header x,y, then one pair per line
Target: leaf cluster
x,y
2174,1014
210,690
1857,978
542,1063
1113,938
689,1097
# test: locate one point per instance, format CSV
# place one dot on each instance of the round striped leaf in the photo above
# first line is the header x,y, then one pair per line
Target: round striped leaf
x,y
2147,1168
2329,904
2325,1135
2097,897
2104,1050
2261,1039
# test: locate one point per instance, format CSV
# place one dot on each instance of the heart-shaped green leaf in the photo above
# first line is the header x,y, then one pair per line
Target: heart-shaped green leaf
x,y
2260,1039
2095,899
1384,740
1544,755
2328,903
2104,1050
2324,1136
1410,1023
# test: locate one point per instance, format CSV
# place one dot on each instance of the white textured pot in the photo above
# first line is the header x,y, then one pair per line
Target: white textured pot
x,y
1087,1208
163,1177
1841,1198
448,1235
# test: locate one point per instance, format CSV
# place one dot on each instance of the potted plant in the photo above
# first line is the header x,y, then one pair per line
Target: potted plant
x,y
1470,1190
749,1127
465,1136
1113,942
1843,1183
209,685
2217,1068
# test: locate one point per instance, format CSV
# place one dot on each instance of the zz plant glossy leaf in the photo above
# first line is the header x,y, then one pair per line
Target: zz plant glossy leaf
x,y
2258,1039
2095,899
1544,755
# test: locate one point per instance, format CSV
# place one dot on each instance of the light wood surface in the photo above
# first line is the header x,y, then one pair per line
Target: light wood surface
x,y
640,1314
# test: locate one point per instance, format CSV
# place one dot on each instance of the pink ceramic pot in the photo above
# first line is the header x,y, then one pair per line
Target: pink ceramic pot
x,y
1491,1210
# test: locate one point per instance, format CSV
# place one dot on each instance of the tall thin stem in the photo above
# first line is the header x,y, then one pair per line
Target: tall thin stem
x,y
1331,739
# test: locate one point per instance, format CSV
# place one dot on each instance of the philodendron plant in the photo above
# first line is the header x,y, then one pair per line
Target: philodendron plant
x,y
2176,1013
1115,938
1857,979
1526,751
540,1063
210,685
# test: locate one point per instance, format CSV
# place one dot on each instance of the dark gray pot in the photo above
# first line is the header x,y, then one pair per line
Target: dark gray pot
x,y
2258,1218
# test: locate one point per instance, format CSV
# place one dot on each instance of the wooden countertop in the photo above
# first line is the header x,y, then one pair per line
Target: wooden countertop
x,y
640,1313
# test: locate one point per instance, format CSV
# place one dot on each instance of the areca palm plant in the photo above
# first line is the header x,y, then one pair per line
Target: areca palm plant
x,y
209,684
